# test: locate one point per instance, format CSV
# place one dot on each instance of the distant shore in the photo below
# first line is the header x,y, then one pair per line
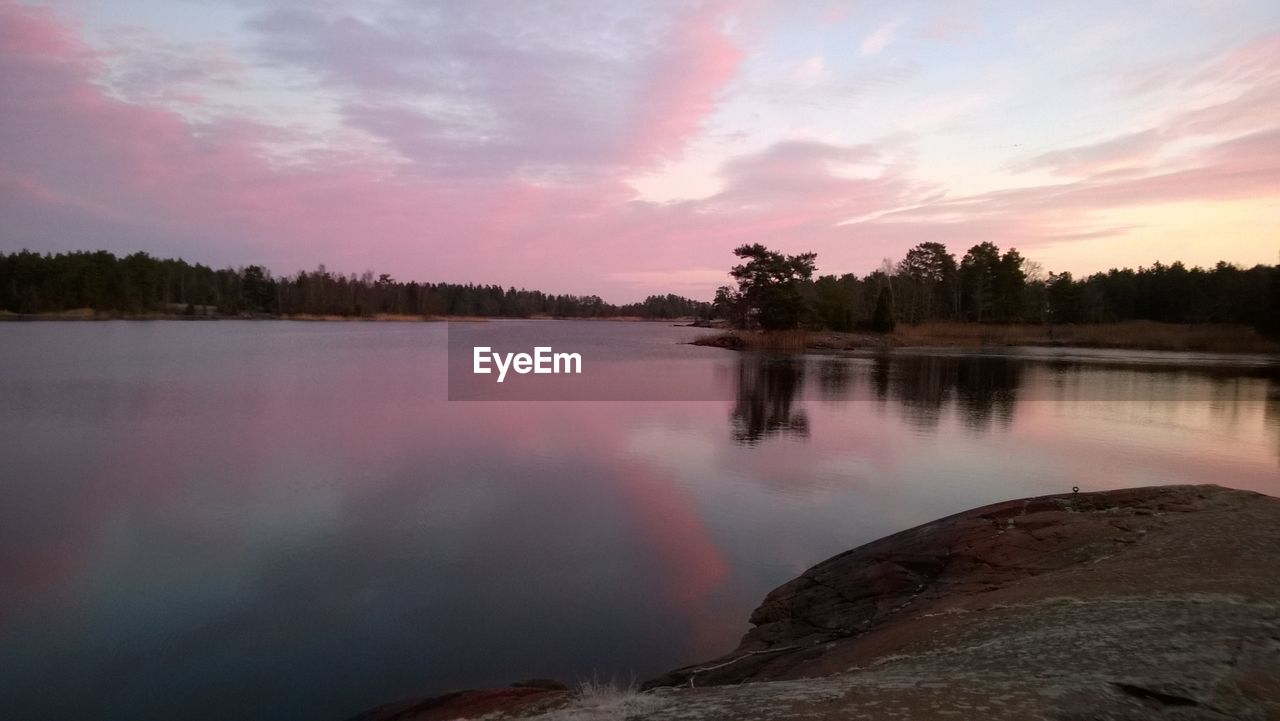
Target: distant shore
x,y
88,314
1136,335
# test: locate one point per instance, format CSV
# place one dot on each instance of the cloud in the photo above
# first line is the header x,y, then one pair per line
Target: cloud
x,y
794,195
952,22
943,109
810,71
1116,153
94,168
1235,94
1244,168
494,89
678,280
880,38
456,142
452,207
790,170
1216,142
146,67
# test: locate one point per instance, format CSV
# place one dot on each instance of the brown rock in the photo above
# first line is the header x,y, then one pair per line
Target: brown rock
x,y
1131,605
1091,605
731,341
547,684
515,701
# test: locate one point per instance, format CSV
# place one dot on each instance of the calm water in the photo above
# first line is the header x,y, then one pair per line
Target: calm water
x,y
289,520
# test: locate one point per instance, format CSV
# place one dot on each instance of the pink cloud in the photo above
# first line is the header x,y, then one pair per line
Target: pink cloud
x,y
1244,87
1238,169
1220,150
485,90
683,88
1116,153
481,154
214,186
880,38
28,30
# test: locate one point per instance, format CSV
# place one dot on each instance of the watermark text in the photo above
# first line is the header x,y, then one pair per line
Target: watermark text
x,y
542,361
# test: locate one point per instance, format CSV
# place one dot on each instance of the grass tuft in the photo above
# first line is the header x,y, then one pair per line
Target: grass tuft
x,y
598,700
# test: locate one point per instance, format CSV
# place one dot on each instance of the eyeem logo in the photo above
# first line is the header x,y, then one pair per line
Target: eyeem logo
x,y
543,361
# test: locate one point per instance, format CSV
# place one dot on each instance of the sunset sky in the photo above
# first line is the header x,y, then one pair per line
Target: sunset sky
x,y
623,148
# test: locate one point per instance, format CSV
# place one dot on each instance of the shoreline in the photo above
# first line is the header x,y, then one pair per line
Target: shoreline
x,y
1133,335
1129,604
86,315
1136,335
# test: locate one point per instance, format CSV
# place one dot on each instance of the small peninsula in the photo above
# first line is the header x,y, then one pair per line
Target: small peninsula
x,y
1132,335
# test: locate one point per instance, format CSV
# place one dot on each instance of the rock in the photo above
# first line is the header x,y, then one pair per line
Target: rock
x,y
1130,605
1091,605
703,323
547,684
518,700
731,341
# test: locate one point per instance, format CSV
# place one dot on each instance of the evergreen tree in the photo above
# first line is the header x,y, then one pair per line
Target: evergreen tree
x,y
882,319
769,285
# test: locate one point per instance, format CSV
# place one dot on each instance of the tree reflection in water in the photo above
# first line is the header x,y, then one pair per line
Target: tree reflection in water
x,y
768,386
835,378
982,390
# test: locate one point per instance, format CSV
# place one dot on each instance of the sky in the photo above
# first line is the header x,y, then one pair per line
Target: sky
x,y
620,148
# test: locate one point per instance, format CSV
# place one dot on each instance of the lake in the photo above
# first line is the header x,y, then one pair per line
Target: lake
x,y
289,520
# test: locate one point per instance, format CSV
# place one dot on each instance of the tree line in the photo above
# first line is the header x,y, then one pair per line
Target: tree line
x,y
987,285
139,283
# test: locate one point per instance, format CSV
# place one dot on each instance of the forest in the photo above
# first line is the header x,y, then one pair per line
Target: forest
x,y
774,291
987,285
140,284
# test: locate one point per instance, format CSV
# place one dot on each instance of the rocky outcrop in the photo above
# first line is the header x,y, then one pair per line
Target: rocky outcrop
x,y
1148,603
521,699
1167,597
731,341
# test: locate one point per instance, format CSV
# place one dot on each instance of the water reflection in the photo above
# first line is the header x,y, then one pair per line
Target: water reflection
x,y
1272,413
288,520
770,388
835,378
982,389
767,389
